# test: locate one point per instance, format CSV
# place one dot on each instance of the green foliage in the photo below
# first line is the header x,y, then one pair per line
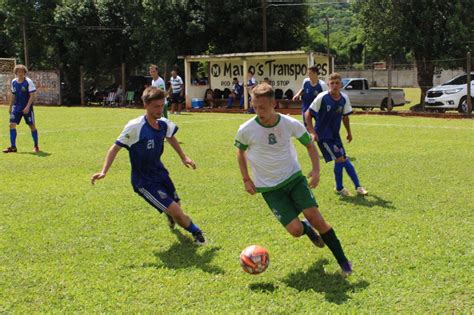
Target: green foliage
x,y
70,247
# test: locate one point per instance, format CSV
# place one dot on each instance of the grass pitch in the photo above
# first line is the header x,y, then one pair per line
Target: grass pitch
x,y
68,246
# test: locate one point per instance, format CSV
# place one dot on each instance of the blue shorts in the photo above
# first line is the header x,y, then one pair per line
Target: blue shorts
x,y
15,117
176,98
159,195
331,149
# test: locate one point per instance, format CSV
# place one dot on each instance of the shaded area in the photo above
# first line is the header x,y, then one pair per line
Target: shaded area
x,y
184,254
39,154
369,201
335,287
265,287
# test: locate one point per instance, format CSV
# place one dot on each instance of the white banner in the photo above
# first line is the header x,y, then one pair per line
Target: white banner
x,y
284,74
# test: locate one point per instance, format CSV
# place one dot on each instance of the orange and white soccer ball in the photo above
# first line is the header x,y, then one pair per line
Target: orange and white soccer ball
x,y
254,259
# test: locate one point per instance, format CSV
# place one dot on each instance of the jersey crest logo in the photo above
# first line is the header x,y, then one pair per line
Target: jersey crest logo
x,y
23,89
272,139
339,109
162,194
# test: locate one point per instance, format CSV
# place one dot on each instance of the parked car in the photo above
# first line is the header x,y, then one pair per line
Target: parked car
x,y
362,96
451,95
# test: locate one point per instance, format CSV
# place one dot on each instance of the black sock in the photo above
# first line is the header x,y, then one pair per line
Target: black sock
x,y
334,245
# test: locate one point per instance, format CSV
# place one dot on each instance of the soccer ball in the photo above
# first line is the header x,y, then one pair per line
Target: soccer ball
x,y
254,259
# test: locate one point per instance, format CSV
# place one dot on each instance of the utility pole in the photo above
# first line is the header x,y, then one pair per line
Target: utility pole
x,y
468,81
25,44
328,44
264,25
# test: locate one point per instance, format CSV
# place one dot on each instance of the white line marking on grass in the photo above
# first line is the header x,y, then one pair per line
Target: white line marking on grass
x,y
412,126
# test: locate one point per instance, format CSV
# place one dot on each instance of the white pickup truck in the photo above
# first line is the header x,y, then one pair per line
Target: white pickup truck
x,y
362,96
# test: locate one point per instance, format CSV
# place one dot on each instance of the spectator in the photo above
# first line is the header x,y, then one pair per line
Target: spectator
x,y
236,94
176,91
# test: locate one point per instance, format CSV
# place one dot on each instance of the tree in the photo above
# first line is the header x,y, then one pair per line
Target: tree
x,y
429,29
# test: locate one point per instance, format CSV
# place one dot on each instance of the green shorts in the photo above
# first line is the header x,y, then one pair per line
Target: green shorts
x,y
290,200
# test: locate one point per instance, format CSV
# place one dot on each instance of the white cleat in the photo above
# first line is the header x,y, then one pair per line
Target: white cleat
x,y
343,192
361,191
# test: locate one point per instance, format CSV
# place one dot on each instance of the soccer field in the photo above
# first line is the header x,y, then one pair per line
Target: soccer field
x,y
69,246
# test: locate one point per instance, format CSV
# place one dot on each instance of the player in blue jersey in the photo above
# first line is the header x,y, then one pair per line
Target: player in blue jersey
x,y
21,105
312,86
144,138
329,108
236,94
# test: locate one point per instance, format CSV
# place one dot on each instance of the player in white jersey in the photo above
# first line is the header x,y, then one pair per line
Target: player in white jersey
x,y
264,142
158,82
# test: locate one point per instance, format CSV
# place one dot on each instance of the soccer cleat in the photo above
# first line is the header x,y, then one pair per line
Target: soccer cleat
x,y
346,268
36,149
315,238
343,192
199,238
361,191
171,222
10,150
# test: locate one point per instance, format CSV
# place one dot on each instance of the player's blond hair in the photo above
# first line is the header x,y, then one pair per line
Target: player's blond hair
x,y
20,67
263,90
152,93
335,76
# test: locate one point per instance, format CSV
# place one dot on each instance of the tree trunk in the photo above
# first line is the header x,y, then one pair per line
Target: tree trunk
x,y
425,71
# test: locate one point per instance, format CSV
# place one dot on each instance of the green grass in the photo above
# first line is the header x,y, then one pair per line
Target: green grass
x,y
69,246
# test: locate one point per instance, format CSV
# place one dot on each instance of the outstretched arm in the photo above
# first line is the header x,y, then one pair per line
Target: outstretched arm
x,y
249,185
347,125
308,117
297,95
186,160
109,159
314,156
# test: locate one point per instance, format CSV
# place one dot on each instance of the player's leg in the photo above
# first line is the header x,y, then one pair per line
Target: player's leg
x,y
329,237
350,169
302,197
30,121
15,119
165,111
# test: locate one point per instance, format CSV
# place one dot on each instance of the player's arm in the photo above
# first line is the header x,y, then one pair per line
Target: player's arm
x,y
314,157
297,95
109,159
347,125
242,160
12,101
186,160
308,117
30,101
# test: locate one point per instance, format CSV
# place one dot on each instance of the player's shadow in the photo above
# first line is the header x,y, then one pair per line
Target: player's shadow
x,y
184,254
369,201
265,287
334,286
39,154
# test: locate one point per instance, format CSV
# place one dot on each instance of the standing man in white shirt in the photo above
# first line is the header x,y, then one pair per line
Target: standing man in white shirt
x,y
176,91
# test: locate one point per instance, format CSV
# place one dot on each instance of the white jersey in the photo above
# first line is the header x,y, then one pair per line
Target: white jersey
x,y
160,83
270,152
176,84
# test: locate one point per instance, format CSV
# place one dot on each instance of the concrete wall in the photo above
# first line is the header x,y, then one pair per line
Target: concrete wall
x,y
400,78
47,87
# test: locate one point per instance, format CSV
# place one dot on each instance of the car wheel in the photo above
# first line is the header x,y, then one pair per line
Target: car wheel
x,y
462,108
384,106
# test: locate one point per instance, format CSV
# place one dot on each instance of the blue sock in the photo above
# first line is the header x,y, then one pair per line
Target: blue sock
x,y
192,228
351,172
34,134
13,137
338,168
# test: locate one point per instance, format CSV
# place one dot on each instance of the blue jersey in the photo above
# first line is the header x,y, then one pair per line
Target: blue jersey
x,y
22,93
145,146
310,92
238,90
328,113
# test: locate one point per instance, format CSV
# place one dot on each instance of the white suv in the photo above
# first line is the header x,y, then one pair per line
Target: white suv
x,y
450,95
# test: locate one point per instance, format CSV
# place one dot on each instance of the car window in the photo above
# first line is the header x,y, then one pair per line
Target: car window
x,y
357,84
344,82
457,81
